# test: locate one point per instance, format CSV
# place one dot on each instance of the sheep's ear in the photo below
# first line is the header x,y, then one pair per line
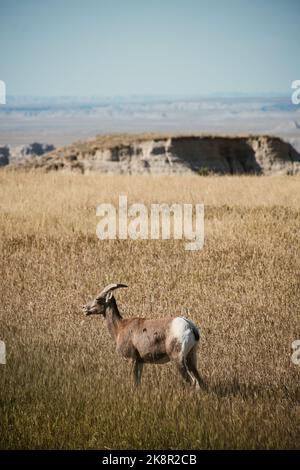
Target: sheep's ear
x,y
108,296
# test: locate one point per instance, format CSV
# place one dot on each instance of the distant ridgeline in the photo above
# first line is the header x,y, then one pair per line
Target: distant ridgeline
x,y
19,153
170,154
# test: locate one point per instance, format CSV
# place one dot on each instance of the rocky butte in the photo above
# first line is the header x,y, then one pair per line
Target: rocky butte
x,y
172,154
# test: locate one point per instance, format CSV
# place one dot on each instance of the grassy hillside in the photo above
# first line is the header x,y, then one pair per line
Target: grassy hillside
x,y
64,386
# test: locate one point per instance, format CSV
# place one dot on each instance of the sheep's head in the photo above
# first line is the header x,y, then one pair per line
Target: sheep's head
x,y
99,305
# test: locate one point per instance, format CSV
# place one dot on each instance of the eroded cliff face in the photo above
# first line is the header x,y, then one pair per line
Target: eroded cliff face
x,y
4,155
18,153
153,154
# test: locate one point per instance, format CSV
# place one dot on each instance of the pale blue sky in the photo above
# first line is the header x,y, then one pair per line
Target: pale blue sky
x,y
122,47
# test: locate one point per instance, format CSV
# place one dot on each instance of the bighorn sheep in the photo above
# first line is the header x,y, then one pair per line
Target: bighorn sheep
x,y
155,341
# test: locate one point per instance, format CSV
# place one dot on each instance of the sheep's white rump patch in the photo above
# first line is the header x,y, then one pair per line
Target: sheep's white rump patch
x,y
182,330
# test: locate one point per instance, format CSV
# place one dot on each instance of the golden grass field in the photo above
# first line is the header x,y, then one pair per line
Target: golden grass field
x,y
64,386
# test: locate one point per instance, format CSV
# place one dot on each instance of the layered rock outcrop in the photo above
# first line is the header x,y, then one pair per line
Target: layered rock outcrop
x,y
157,154
4,155
19,153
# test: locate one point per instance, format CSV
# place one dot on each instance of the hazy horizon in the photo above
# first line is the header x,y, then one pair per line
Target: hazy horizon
x,y
140,96
73,70
133,48
63,120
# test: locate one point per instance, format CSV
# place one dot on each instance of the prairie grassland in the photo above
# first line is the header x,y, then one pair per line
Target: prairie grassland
x,y
64,386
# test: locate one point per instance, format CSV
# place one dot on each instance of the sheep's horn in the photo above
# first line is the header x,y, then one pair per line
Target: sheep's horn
x,y
110,288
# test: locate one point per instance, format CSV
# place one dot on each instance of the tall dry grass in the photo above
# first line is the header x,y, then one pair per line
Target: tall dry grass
x,y
63,385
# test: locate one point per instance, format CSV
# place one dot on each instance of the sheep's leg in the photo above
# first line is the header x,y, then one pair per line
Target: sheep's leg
x,y
140,371
192,366
177,356
137,371
183,370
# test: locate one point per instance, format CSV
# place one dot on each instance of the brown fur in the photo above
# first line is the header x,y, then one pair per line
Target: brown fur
x,y
144,340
